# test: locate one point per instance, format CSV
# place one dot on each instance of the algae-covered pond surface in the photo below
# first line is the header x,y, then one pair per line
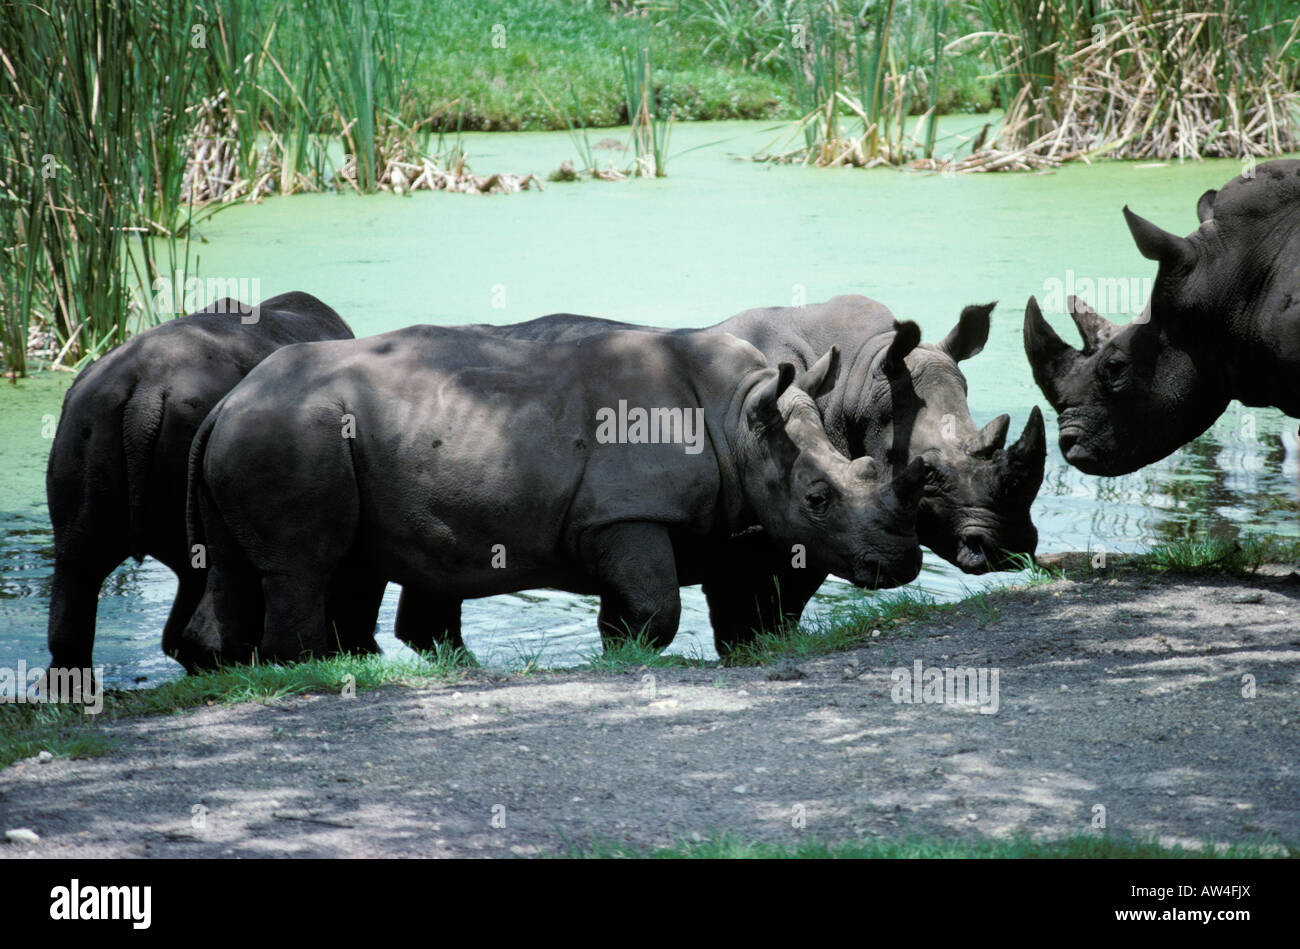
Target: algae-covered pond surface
x,y
717,236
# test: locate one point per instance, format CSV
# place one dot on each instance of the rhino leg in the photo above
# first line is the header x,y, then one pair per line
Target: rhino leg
x,y
355,596
756,595
189,591
74,602
633,564
426,623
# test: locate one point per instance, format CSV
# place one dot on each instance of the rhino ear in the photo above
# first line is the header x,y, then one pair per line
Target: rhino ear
x,y
990,438
763,408
907,336
968,337
1205,206
1155,243
819,378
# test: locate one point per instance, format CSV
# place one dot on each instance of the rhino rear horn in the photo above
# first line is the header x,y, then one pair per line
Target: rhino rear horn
x,y
1094,328
1205,206
1029,452
968,337
819,378
909,483
1050,357
990,438
1155,243
907,336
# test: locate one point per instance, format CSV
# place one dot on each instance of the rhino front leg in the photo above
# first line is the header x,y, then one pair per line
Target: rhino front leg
x,y
755,587
637,573
426,622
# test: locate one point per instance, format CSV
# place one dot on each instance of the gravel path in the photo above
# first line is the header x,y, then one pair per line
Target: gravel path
x,y
1125,692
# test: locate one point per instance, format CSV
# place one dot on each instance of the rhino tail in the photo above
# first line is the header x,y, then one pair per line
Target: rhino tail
x,y
194,480
141,423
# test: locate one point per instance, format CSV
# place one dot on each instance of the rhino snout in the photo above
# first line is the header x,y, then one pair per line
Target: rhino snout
x,y
873,573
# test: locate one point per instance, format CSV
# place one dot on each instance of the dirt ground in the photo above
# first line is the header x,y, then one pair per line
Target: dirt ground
x,y
1173,704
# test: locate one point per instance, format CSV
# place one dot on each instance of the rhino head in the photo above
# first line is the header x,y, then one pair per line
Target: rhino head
x,y
1219,325
849,516
910,401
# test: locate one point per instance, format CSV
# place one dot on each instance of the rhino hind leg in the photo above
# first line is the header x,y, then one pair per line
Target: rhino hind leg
x,y
634,565
428,623
74,603
354,600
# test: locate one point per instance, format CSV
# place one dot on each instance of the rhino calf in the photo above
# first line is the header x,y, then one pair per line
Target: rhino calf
x,y
115,481
461,465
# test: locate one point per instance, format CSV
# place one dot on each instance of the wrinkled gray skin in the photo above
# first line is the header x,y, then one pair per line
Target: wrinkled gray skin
x,y
475,470
897,401
115,482
1224,324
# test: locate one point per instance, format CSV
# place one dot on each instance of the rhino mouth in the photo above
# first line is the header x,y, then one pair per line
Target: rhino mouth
x,y
872,574
1070,439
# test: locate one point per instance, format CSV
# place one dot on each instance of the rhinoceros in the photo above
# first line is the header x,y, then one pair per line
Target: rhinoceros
x,y
1222,323
462,465
115,481
897,401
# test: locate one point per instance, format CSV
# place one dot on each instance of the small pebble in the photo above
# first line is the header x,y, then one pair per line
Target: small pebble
x,y
45,757
22,835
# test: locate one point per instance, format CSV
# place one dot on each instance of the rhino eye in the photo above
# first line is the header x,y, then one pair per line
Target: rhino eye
x,y
1113,372
817,500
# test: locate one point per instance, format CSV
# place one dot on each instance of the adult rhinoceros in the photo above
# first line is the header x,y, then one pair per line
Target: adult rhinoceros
x,y
897,401
1223,323
462,465
115,482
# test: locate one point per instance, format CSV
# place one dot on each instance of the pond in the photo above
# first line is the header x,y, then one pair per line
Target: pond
x,y
717,236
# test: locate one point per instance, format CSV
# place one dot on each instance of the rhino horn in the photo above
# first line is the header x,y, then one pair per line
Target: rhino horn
x,y
1093,327
1050,357
968,337
865,469
1028,453
990,438
819,378
1205,206
1155,243
909,483
907,336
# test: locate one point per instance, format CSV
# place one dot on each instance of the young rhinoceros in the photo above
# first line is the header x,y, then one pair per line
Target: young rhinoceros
x,y
1223,323
460,465
115,482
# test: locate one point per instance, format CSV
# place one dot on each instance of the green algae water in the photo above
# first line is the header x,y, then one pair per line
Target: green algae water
x,y
720,234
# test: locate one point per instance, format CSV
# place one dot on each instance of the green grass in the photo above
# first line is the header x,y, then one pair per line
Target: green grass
x,y
67,731
722,846
1218,555
850,627
551,46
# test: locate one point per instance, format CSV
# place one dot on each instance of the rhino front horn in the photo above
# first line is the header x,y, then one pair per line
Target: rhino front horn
x,y
1094,328
1155,243
1050,357
910,482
